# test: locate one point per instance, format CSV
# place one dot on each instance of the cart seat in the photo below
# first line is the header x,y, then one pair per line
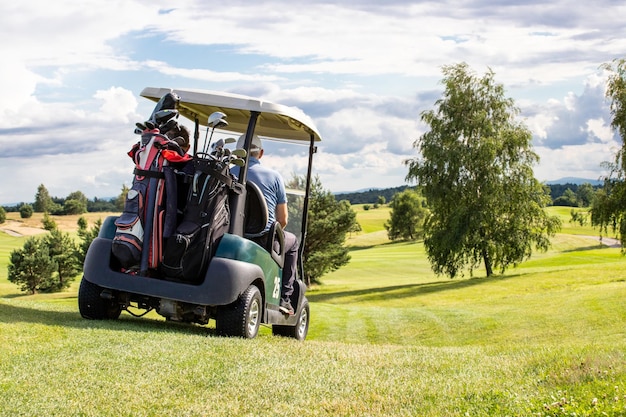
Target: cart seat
x,y
256,218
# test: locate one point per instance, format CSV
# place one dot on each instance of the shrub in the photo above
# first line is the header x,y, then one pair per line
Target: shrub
x,y
26,211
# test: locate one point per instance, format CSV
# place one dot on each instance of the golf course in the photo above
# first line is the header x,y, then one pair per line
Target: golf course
x,y
387,337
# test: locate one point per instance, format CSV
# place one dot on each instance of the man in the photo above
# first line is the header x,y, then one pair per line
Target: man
x,y
271,184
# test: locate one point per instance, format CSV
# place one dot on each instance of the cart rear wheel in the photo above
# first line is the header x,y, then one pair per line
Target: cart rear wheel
x,y
243,317
92,306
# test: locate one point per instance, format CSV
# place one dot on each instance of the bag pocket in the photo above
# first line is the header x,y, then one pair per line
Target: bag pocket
x,y
183,253
128,241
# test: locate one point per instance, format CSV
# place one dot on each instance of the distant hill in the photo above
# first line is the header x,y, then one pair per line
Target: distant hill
x,y
574,180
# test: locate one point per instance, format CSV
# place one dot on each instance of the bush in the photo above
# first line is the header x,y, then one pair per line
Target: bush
x,y
48,222
64,253
31,267
87,236
26,211
3,215
407,216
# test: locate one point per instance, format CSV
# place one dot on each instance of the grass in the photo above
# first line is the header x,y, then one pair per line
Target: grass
x,y
387,338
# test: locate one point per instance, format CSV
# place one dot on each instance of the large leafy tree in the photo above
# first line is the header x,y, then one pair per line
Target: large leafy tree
x,y
475,169
608,210
406,219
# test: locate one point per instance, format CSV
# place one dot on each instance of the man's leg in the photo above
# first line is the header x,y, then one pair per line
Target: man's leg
x,y
289,270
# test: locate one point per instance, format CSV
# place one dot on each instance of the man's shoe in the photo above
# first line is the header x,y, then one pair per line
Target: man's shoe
x,y
285,307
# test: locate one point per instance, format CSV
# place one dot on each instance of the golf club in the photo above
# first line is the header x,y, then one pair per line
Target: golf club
x,y
216,120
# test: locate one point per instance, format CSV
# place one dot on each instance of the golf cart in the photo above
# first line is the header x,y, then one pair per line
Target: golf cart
x,y
238,280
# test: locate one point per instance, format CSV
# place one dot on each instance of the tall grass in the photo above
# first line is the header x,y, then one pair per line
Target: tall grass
x,y
387,338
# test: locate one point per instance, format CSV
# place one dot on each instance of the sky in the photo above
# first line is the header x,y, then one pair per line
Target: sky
x,y
363,70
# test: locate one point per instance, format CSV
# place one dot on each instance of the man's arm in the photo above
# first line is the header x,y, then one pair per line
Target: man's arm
x,y
282,214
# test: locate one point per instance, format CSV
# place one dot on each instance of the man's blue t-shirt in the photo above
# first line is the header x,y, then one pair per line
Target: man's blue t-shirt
x,y
271,184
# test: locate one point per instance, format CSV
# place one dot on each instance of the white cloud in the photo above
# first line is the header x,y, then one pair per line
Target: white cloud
x,y
581,161
363,70
118,105
597,128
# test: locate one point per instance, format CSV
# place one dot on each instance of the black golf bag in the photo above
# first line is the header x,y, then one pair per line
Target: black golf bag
x,y
206,218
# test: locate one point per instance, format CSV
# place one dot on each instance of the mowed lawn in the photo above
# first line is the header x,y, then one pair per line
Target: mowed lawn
x,y
387,338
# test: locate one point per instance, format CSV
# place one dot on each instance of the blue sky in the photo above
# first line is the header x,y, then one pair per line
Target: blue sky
x,y
363,70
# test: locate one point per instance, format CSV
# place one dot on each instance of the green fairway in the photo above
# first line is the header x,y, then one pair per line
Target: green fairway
x,y
387,338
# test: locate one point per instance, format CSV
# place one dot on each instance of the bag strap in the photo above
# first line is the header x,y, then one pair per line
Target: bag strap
x,y
149,174
223,178
208,167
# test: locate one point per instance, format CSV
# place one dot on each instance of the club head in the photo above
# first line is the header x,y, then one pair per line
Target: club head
x,y
217,145
216,119
230,140
240,153
169,125
237,161
163,116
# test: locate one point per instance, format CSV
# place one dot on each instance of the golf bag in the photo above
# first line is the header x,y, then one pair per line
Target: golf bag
x,y
150,208
206,218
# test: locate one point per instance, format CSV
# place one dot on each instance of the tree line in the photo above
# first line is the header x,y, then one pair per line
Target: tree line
x,y
75,203
567,194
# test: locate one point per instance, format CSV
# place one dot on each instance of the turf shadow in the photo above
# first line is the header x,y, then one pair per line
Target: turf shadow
x,y
406,291
38,314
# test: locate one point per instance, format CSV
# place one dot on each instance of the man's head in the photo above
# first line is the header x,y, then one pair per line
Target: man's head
x,y
256,147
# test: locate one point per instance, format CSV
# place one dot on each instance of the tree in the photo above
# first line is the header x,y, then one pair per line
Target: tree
x,y
585,195
476,173
74,207
3,215
48,222
75,203
31,267
407,216
64,253
121,199
26,211
608,210
43,201
329,223
568,199
86,236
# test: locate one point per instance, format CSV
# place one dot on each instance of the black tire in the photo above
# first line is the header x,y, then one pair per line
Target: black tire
x,y
92,306
243,317
300,330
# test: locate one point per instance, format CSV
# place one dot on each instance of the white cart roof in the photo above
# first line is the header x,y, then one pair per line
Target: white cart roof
x,y
275,120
